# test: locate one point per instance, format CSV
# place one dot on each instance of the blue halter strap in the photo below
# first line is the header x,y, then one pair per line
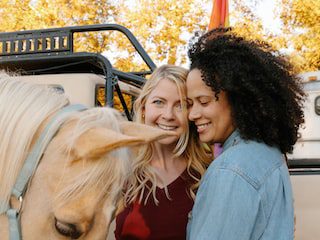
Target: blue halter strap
x,y
30,166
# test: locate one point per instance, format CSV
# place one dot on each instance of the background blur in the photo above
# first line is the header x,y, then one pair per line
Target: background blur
x,y
164,28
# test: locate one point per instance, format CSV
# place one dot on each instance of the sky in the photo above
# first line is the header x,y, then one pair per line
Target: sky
x,y
266,11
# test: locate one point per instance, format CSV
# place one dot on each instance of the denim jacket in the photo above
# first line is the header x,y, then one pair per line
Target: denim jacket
x,y
245,195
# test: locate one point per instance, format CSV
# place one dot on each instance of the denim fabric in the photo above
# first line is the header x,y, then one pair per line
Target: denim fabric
x,y
245,195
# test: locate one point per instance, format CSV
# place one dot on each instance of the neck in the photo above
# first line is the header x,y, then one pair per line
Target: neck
x,y
167,166
163,157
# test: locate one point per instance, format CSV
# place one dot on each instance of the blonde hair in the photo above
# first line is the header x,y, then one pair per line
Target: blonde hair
x,y
187,146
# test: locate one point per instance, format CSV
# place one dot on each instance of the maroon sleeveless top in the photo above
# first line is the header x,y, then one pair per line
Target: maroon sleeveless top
x,y
165,221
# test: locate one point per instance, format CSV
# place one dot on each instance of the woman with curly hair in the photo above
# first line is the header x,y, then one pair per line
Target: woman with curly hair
x,y
160,195
242,94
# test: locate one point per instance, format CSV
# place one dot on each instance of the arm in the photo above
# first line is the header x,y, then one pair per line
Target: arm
x,y
226,207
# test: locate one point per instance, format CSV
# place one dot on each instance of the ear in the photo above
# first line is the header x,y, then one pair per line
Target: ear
x,y
144,131
98,141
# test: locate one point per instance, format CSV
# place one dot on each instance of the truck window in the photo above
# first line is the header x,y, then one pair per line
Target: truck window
x,y
100,93
317,105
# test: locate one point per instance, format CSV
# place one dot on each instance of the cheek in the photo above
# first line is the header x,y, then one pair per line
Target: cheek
x,y
150,114
149,119
211,112
226,123
227,115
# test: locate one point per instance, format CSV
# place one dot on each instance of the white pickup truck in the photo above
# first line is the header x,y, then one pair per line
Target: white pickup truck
x,y
47,57
304,164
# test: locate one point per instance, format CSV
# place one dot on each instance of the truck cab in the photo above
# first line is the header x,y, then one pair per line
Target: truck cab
x,y
304,163
90,93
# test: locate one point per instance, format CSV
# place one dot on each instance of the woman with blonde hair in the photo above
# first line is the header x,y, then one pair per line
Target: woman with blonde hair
x,y
160,195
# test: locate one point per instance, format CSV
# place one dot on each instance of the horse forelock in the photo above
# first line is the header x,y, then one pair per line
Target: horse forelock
x,y
109,172
24,106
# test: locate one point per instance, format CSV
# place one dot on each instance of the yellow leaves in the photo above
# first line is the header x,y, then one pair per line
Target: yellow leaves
x,y
248,25
128,66
117,103
10,21
306,13
300,35
164,27
302,32
158,25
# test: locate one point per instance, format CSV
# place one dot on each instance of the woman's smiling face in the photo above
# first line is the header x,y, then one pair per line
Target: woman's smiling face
x,y
212,117
163,109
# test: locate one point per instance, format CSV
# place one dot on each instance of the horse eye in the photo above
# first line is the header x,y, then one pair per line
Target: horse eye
x,y
67,229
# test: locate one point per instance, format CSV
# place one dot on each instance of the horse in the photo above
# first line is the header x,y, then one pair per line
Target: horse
x,y
81,161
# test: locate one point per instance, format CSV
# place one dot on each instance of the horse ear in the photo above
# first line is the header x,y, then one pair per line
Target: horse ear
x,y
144,131
98,141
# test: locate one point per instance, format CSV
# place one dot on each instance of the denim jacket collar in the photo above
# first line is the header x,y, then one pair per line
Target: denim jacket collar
x,y
232,140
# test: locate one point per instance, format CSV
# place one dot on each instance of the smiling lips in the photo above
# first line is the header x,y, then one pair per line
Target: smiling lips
x,y
166,127
201,127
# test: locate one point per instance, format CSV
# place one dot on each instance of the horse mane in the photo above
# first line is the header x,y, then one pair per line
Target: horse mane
x,y
109,173
23,107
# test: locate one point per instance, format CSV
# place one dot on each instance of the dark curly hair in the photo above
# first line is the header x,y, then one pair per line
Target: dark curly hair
x,y
266,98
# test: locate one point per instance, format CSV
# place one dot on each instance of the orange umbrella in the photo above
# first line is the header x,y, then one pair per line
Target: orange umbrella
x,y
219,14
219,18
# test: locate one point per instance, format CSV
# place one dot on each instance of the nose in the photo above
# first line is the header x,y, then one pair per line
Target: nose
x,y
194,113
168,113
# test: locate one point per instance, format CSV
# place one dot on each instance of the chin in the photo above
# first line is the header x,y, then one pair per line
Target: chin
x,y
209,141
169,140
205,139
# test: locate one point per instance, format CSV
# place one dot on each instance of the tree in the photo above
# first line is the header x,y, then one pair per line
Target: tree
x,y
246,23
16,15
302,32
164,28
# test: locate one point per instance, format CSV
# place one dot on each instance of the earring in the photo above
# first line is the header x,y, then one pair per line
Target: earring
x,y
143,116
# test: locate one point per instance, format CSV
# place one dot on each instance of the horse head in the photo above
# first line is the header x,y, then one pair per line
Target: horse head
x,y
82,168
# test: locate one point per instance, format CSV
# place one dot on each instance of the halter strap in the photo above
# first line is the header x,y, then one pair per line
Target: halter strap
x,y
30,165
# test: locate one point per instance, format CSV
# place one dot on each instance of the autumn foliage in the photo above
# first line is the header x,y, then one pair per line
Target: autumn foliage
x,y
164,28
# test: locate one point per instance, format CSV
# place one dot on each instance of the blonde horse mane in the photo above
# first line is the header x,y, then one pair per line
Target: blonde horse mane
x,y
110,172
23,108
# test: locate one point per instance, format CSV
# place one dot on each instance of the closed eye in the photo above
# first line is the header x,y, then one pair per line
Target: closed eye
x,y
204,103
205,100
67,229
